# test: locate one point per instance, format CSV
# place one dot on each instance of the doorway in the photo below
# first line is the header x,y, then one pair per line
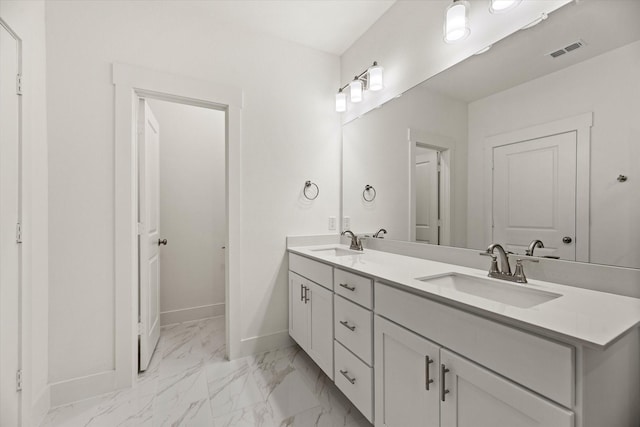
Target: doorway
x,y
181,216
10,227
132,83
427,195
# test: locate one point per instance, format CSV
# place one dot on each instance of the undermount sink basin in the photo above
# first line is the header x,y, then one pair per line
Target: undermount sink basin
x,y
336,251
517,295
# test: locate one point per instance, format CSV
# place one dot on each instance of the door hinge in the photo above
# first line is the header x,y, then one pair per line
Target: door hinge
x,y
140,228
140,328
19,380
18,233
19,84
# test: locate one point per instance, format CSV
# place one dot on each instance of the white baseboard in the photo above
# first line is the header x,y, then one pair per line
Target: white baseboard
x,y
40,407
256,345
75,389
192,313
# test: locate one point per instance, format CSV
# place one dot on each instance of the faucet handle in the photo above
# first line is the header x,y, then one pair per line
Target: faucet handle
x,y
493,269
519,275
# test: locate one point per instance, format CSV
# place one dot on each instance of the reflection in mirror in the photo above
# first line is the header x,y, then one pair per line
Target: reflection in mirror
x,y
525,142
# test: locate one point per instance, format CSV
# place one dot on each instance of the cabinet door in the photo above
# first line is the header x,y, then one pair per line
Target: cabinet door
x,y
320,306
477,397
298,313
406,378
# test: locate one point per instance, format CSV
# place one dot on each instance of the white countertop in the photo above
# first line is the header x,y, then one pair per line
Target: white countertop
x,y
579,316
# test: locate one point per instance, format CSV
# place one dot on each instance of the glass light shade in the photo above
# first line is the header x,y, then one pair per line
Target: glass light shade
x,y
499,6
341,102
456,22
355,88
375,77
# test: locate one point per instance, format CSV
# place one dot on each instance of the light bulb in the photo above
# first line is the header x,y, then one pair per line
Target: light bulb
x,y
499,6
355,88
341,102
375,77
456,22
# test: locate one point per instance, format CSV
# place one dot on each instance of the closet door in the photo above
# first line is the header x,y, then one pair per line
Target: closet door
x,y
406,377
9,218
472,396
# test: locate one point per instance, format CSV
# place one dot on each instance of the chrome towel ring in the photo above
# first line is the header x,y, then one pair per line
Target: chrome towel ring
x,y
366,194
311,190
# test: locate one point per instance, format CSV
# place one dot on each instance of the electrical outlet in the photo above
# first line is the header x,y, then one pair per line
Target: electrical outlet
x,y
332,223
346,223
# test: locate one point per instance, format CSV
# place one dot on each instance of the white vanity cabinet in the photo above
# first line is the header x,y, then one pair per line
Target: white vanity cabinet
x,y
421,384
311,313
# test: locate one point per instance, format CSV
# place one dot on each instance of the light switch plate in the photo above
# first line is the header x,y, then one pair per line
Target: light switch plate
x,y
332,223
346,223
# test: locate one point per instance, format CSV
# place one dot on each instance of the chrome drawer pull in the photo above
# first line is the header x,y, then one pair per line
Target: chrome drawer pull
x,y
346,375
428,361
443,389
346,325
350,288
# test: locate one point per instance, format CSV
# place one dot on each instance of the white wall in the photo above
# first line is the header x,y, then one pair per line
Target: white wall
x,y
290,133
27,19
192,211
376,151
605,85
407,41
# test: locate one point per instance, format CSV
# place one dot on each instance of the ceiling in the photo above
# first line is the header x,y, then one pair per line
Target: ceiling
x,y
523,56
328,25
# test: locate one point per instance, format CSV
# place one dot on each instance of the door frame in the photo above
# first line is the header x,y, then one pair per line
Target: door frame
x,y
446,147
21,411
131,83
581,124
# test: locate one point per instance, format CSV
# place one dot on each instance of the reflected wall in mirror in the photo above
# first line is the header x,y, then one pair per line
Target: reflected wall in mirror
x,y
525,142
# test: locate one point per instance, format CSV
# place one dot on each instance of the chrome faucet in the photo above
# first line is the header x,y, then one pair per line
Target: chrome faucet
x,y
377,233
532,246
504,270
356,243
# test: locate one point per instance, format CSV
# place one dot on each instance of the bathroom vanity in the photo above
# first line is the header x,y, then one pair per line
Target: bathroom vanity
x,y
413,342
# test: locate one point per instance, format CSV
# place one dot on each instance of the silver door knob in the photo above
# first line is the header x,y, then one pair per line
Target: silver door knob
x,y
162,242
567,240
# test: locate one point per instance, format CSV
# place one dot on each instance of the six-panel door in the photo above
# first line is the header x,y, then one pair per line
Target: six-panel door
x,y
406,378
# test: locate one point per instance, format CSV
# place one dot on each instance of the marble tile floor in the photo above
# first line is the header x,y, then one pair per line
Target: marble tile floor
x,y
189,383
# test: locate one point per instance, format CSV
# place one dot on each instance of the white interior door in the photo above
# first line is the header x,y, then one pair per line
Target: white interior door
x,y
149,232
9,218
534,195
427,195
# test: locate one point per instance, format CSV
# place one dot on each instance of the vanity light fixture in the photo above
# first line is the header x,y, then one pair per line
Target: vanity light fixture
x,y
370,79
499,6
341,101
456,21
355,89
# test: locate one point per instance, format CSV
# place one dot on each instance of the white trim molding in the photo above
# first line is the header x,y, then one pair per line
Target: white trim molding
x,y
131,83
171,317
581,124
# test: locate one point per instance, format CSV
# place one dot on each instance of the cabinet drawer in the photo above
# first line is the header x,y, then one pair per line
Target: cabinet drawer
x,y
542,365
315,271
352,325
355,379
357,288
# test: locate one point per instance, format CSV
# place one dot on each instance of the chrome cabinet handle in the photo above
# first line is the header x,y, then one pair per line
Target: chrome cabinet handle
x,y
301,292
427,361
350,288
306,294
346,375
346,325
443,389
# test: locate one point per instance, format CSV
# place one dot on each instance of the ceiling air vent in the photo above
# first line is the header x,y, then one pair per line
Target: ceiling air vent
x,y
569,48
